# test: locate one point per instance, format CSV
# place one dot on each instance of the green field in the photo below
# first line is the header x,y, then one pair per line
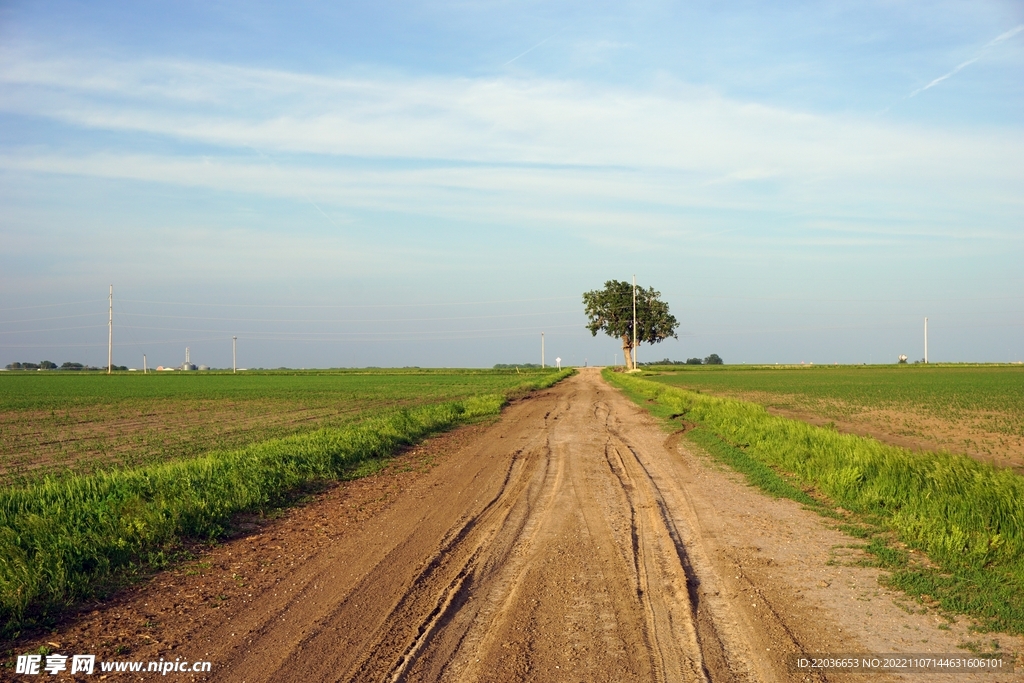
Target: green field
x,y
53,422
73,533
972,409
966,516
945,391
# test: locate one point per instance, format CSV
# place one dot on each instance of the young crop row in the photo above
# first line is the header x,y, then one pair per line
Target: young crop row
x,y
945,391
967,516
61,424
46,391
61,538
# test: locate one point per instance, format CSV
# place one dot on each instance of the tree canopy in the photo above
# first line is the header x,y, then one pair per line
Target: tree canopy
x,y
610,310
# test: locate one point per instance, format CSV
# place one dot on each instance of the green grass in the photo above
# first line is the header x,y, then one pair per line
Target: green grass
x,y
62,539
58,390
758,473
968,517
948,392
74,423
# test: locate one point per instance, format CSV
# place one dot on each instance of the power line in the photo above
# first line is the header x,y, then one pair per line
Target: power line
x,y
763,330
351,320
56,317
891,300
53,329
499,334
253,334
409,305
69,303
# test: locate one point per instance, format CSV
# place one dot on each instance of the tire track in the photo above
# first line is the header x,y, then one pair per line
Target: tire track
x,y
560,547
473,551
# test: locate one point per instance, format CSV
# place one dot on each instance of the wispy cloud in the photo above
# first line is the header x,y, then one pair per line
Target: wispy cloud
x,y
556,123
981,53
580,157
528,51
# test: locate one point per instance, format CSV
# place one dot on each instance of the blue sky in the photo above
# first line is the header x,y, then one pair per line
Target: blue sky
x,y
404,183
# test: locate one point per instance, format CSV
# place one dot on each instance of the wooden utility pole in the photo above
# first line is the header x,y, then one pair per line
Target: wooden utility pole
x,y
632,355
110,332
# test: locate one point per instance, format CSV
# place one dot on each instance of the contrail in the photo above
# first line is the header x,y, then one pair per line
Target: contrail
x,y
988,46
306,196
945,76
533,48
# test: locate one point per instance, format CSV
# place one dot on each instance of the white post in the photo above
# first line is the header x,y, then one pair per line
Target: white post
x,y
633,350
926,340
542,351
110,332
234,365
145,368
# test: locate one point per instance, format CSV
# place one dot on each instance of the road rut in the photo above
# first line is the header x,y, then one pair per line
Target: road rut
x,y
571,540
557,547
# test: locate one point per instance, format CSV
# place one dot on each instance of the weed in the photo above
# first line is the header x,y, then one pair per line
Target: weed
x,y
65,538
970,645
102,422
966,516
855,530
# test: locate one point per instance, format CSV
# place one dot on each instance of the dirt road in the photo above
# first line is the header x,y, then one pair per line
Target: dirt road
x,y
572,540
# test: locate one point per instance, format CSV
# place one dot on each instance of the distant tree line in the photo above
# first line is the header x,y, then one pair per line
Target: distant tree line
x,y
713,359
50,365
513,366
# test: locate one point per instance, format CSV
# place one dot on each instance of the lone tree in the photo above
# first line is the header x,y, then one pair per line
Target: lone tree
x,y
610,310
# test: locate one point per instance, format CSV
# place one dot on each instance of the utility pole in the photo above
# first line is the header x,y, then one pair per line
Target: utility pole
x,y
633,354
110,332
541,350
234,365
926,340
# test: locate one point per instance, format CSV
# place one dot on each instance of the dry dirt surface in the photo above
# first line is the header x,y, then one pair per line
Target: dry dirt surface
x,y
95,436
984,436
571,540
971,435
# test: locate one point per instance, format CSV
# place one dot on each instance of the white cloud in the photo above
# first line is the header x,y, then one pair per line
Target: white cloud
x,y
507,151
489,120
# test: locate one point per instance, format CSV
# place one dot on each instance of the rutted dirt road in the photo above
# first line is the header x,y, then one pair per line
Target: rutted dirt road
x,y
572,540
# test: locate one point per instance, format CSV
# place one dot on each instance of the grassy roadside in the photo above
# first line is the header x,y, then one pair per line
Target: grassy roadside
x,y
965,516
61,539
58,424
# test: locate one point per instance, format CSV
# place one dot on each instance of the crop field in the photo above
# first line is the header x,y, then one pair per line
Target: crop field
x,y
54,422
966,516
272,537
974,410
63,537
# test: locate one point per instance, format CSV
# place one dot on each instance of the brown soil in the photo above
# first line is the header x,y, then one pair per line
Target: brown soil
x,y
96,436
571,540
917,431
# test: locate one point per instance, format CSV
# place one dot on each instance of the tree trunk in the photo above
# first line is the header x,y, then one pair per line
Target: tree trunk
x,y
627,351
